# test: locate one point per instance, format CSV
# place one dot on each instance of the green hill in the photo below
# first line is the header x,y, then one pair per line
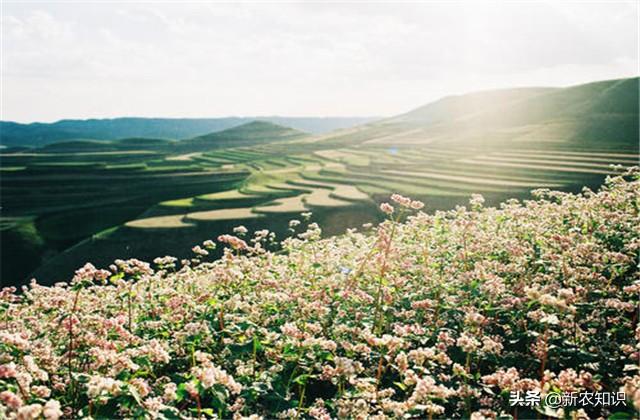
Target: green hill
x,y
253,133
78,145
462,106
39,134
142,197
601,114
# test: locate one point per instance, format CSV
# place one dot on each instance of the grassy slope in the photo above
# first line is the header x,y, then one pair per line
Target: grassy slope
x,y
256,132
501,144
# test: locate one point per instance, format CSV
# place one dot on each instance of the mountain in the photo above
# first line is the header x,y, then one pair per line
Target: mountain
x,y
252,133
601,114
460,106
39,134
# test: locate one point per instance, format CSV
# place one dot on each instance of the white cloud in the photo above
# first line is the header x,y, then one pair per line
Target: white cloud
x,y
98,60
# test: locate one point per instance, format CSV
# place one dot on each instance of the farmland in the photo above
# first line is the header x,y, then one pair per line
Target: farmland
x,y
444,315
75,201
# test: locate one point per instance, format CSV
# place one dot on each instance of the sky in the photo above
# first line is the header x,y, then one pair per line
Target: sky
x,y
99,59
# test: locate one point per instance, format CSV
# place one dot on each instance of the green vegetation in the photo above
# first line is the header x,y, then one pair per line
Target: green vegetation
x,y
14,134
461,314
81,200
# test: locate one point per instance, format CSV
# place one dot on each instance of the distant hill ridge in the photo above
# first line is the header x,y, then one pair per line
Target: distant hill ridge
x,y
249,134
251,130
577,116
39,134
583,115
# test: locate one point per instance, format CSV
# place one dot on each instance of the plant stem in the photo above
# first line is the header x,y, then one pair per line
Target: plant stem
x,y
70,352
377,318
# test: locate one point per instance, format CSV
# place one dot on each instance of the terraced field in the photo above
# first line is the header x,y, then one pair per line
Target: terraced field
x,y
345,185
66,204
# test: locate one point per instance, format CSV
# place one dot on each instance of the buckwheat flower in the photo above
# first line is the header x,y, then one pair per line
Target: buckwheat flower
x,y
426,389
41,391
468,343
191,389
634,288
445,339
459,370
169,392
485,414
209,244
154,405
318,411
31,411
90,272
403,201
14,340
166,261
476,200
52,410
261,234
551,319
503,379
238,405
132,267
475,318
199,251
11,400
402,361
99,385
386,208
489,345
8,371
69,322
420,355
34,370
156,352
631,388
293,223
233,241
240,230
214,375
141,386
291,330
416,205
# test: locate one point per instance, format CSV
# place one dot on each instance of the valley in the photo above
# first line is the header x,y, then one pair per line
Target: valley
x,y
74,201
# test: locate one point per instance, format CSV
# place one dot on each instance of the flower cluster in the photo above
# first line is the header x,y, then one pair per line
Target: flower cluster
x,y
442,315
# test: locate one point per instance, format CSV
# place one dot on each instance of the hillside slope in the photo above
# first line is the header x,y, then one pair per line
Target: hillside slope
x,y
39,134
147,197
601,114
442,316
249,134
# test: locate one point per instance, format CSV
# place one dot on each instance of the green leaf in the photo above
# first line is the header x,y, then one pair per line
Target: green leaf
x,y
302,379
400,385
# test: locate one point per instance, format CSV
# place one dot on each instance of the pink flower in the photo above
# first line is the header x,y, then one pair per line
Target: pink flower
x,y
240,230
402,200
233,241
199,251
52,410
386,208
8,371
11,400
